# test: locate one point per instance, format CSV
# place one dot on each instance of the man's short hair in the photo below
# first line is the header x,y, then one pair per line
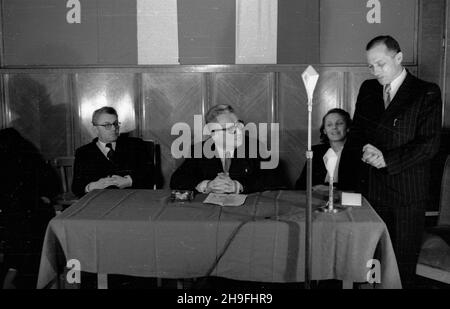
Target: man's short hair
x,y
390,42
104,110
217,110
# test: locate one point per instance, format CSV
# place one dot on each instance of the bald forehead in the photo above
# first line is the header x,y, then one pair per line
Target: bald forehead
x,y
227,117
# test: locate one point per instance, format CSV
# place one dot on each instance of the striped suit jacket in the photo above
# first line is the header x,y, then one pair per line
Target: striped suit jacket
x,y
407,133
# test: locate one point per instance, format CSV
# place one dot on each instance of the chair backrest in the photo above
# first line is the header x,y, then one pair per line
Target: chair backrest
x,y
444,211
64,167
153,150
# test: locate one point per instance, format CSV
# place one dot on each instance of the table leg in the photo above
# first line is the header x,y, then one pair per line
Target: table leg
x,y
102,281
347,284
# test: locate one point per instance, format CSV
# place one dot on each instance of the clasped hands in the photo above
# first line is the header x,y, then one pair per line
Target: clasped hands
x,y
373,156
114,180
221,184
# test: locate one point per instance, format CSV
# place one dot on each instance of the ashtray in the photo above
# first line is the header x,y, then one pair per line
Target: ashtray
x,y
181,195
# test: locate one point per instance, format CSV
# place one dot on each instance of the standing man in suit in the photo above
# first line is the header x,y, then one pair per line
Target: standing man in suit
x,y
226,171
397,123
110,160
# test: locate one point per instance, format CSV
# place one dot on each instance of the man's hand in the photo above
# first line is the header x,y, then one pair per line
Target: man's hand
x,y
8,282
373,156
121,182
320,188
221,184
102,183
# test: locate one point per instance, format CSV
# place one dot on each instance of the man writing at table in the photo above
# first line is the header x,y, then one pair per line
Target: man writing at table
x,y
110,160
227,171
397,123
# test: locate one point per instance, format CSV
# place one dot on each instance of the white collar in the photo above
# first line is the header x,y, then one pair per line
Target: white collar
x,y
102,147
397,82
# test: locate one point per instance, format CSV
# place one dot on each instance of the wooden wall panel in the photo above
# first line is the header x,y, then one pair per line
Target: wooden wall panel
x,y
293,115
94,90
169,99
54,109
355,79
249,93
38,106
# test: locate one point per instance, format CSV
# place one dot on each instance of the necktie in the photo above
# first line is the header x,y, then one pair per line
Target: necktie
x,y
110,154
387,95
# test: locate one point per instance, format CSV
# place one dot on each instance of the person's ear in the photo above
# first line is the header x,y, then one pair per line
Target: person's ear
x,y
399,57
95,130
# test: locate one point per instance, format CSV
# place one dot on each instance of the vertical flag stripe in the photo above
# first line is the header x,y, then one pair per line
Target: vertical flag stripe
x,y
298,31
157,32
206,31
256,31
117,32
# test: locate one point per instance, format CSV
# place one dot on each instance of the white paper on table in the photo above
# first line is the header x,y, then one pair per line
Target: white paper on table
x,y
224,199
330,159
351,199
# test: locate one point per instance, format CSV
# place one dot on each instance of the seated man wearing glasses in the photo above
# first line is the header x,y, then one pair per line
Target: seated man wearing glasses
x,y
110,160
226,169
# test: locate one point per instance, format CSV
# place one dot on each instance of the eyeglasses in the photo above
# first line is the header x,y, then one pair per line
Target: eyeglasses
x,y
108,126
230,129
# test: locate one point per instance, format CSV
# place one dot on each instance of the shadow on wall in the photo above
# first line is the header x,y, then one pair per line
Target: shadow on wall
x,y
36,117
28,186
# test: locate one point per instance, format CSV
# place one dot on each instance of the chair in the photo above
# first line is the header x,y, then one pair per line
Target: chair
x,y
64,167
154,158
434,258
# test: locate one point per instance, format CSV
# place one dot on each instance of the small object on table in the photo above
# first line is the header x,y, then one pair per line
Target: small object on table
x,y
351,199
181,195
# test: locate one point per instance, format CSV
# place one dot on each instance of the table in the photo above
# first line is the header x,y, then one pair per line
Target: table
x,y
143,233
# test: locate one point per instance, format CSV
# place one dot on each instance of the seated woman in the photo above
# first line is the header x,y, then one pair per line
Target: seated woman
x,y
333,133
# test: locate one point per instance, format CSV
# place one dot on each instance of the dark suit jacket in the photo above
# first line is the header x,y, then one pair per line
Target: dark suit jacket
x,y
407,133
245,170
131,159
348,173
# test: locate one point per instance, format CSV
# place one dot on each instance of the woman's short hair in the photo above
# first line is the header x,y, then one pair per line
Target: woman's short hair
x,y
345,115
217,110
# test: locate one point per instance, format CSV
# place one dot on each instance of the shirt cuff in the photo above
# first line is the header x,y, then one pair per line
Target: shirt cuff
x,y
239,187
130,181
86,189
201,187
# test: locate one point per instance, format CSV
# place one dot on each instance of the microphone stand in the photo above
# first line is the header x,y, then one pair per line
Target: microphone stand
x,y
310,78
308,227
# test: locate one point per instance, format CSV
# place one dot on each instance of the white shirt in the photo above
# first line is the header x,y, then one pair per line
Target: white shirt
x,y
221,152
396,83
104,149
336,169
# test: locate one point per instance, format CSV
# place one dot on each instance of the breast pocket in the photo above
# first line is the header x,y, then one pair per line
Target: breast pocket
x,y
403,129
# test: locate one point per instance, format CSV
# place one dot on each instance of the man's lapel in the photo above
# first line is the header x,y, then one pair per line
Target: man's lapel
x,y
401,98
